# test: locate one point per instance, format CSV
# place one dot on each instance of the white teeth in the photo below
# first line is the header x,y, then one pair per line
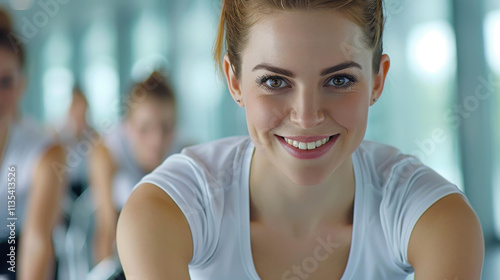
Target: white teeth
x,y
307,146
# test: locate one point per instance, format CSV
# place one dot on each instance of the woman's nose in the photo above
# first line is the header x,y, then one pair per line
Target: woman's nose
x,y
307,110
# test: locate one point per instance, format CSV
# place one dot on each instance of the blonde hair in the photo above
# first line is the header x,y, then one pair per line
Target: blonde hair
x,y
238,16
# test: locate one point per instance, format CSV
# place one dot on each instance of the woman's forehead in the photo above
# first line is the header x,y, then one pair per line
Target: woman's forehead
x,y
152,109
314,36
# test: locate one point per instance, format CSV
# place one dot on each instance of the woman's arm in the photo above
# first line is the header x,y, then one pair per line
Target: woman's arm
x,y
101,173
154,239
447,242
43,209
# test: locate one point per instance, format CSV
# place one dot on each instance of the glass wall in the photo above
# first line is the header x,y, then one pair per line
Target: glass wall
x,y
58,79
416,111
492,41
100,75
199,90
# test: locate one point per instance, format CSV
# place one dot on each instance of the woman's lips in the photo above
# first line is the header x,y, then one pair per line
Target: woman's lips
x,y
308,153
306,139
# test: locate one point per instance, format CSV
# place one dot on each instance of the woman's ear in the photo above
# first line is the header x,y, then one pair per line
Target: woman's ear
x,y
379,78
232,82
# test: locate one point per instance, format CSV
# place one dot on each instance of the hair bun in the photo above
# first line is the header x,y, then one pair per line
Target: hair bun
x,y
154,77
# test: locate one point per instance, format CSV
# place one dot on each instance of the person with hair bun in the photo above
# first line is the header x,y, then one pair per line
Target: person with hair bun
x,y
304,196
31,189
74,131
128,152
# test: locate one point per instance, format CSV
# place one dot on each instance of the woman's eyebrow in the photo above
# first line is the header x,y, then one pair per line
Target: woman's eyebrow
x,y
326,71
274,69
341,66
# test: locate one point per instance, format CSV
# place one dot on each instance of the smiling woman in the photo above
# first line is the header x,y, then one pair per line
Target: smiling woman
x,y
304,197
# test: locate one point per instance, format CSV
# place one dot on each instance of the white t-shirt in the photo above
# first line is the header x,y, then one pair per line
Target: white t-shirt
x,y
77,150
128,172
26,144
210,184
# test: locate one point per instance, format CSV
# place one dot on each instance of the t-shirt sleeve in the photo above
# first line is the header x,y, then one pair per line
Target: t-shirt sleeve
x,y
184,181
410,189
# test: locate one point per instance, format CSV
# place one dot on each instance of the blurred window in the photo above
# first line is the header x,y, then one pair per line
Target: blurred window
x,y
100,75
198,86
416,112
492,41
150,38
57,78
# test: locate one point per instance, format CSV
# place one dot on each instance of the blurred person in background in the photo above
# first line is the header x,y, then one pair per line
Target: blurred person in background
x,y
130,151
27,154
77,134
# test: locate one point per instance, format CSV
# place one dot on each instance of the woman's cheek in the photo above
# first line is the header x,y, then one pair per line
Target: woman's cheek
x,y
351,112
265,112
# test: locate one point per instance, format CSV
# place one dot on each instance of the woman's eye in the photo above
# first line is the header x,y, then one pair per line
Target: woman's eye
x,y
339,81
275,82
6,83
272,83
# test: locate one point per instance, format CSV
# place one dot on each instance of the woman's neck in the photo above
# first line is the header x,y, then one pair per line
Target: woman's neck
x,y
275,200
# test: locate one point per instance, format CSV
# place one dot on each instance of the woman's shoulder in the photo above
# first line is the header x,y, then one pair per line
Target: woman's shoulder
x,y
222,154
398,176
379,154
403,188
201,181
220,148
204,165
388,163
